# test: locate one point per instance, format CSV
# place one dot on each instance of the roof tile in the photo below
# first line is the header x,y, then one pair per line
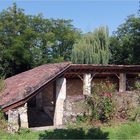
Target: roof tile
x,y
18,86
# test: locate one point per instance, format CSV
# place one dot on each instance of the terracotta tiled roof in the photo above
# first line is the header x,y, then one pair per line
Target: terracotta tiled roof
x,y
102,68
23,85
20,86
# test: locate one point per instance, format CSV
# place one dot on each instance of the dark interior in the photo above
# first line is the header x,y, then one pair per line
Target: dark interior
x,y
36,117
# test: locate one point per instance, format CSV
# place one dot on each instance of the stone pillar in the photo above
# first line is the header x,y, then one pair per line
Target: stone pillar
x,y
39,101
87,84
122,82
13,121
23,116
17,118
60,98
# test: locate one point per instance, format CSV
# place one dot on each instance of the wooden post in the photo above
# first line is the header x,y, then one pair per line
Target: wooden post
x,y
122,82
87,84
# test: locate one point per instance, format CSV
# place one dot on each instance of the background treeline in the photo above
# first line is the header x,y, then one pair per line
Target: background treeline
x,y
27,41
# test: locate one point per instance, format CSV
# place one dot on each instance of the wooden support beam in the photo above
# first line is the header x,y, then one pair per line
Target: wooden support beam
x,y
122,82
87,84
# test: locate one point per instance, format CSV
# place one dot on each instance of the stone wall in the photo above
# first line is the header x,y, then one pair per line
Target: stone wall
x,y
126,105
113,80
74,87
73,106
13,121
17,118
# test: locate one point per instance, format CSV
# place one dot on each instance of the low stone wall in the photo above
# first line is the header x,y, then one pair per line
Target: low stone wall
x,y
17,118
125,104
74,87
73,106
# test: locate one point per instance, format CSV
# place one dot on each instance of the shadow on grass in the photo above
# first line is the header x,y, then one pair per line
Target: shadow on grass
x,y
93,133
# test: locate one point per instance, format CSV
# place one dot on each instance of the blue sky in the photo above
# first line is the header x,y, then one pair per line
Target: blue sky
x,y
86,14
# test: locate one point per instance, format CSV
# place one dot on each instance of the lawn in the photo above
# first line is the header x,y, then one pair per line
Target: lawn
x,y
130,130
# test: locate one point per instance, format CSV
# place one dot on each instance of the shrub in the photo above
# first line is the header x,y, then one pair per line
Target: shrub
x,y
136,111
24,131
2,84
80,119
100,104
3,122
137,85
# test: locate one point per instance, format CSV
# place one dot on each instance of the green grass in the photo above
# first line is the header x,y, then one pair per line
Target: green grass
x,y
130,130
125,131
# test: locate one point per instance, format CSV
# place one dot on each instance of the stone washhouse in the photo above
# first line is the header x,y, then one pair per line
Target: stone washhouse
x,y
37,97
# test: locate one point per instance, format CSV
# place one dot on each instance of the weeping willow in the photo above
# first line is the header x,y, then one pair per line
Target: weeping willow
x,y
92,48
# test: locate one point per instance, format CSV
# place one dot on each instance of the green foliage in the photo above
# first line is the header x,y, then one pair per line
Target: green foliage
x,y
92,48
27,41
137,85
127,110
124,44
3,123
2,84
101,103
135,116
80,119
24,131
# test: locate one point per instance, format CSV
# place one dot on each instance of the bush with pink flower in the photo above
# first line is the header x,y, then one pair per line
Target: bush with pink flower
x,y
101,104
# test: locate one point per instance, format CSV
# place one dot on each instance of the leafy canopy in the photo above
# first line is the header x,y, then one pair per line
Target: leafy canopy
x,y
27,41
125,46
92,48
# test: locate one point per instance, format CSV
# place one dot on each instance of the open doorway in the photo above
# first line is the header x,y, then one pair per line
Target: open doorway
x,y
37,117
41,108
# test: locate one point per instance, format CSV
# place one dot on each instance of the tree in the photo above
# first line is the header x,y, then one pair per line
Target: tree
x,y
14,55
125,47
92,48
27,41
64,36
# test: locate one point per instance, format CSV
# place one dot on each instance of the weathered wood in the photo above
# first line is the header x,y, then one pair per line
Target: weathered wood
x,y
87,84
122,82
